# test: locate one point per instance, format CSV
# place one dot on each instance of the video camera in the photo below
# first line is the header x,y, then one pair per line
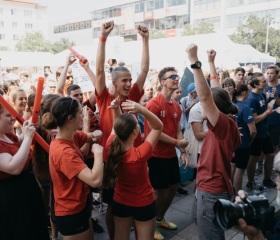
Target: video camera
x,y
255,211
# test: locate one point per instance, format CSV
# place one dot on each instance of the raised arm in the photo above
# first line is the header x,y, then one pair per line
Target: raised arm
x,y
203,90
145,61
100,57
62,79
214,78
92,99
154,122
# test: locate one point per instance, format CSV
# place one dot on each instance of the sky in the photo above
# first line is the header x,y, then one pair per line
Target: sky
x,y
66,9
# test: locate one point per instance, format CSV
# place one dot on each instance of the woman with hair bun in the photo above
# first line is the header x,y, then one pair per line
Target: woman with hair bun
x,y
70,175
213,179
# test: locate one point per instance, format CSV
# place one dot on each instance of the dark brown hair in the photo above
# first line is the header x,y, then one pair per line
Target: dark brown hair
x,y
124,125
165,70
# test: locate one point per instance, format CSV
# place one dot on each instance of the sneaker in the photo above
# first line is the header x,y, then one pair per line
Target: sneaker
x,y
165,224
269,183
96,227
158,235
182,191
249,185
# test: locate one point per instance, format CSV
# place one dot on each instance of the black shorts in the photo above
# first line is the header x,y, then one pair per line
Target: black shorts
x,y
260,145
274,134
241,157
75,223
145,213
163,172
107,195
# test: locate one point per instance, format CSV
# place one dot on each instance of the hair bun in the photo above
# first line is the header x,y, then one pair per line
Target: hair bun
x,y
49,121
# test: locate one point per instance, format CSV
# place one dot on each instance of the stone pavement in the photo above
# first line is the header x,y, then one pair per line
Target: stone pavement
x,y
180,213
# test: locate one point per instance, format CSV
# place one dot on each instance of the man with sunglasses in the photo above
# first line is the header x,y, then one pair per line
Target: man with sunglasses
x,y
164,171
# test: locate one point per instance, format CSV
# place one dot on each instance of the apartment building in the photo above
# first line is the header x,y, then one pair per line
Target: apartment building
x,y
19,17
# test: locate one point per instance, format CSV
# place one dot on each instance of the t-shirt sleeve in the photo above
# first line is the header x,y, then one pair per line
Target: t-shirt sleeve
x,y
80,138
247,115
195,115
222,123
144,151
71,164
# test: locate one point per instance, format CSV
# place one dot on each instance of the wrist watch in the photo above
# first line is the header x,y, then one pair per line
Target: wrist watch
x,y
196,65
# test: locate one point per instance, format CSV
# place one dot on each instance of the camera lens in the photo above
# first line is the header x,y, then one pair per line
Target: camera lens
x,y
227,213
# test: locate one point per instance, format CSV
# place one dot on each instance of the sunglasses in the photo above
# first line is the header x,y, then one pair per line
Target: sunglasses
x,y
174,77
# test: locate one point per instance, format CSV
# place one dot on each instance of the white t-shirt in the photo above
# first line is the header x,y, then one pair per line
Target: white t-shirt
x,y
195,115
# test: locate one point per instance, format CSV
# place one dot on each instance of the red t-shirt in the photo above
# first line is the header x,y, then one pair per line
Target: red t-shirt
x,y
93,120
11,148
106,115
170,114
66,162
216,154
133,187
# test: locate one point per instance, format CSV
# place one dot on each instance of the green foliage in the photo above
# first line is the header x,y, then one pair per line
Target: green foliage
x,y
61,45
4,48
253,32
202,28
36,42
156,34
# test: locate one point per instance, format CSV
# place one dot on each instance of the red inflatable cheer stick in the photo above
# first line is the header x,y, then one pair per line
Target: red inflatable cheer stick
x,y
16,115
38,98
77,55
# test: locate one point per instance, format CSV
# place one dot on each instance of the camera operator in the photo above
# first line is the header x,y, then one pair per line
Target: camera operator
x,y
252,232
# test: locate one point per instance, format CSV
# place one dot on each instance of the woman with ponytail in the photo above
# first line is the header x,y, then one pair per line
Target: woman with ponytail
x,y
127,172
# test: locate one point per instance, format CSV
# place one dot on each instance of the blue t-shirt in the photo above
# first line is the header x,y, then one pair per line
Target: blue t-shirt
x,y
244,117
274,118
258,105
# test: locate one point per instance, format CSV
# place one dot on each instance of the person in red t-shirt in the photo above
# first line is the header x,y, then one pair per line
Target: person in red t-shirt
x,y
123,87
164,170
21,204
127,172
70,175
214,164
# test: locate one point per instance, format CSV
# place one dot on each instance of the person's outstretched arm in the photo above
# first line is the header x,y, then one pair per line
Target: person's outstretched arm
x,y
100,57
155,123
62,79
214,78
145,61
203,90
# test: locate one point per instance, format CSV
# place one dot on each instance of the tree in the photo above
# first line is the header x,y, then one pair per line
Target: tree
x,y
253,32
33,42
61,45
155,34
202,28
4,48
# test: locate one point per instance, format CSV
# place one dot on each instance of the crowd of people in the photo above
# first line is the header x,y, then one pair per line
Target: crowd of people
x,y
123,141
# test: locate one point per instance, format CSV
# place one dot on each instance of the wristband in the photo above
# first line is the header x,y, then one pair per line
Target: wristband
x,y
101,39
213,78
267,112
175,142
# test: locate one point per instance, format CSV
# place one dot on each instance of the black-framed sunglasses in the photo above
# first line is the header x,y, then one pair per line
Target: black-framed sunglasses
x,y
174,77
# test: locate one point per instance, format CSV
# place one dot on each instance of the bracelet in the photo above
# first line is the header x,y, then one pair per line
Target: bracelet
x,y
213,78
175,143
267,112
101,39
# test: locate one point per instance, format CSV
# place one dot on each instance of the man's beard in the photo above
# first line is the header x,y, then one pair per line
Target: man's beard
x,y
278,198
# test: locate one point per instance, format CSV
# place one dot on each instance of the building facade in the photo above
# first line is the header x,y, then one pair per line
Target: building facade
x,y
167,16
19,17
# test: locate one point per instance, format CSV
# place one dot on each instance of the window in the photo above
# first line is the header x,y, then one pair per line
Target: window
x,y
28,25
88,24
139,7
13,11
170,22
159,4
96,32
15,37
151,5
171,3
2,36
77,26
56,29
71,26
82,25
61,28
1,24
27,13
14,24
